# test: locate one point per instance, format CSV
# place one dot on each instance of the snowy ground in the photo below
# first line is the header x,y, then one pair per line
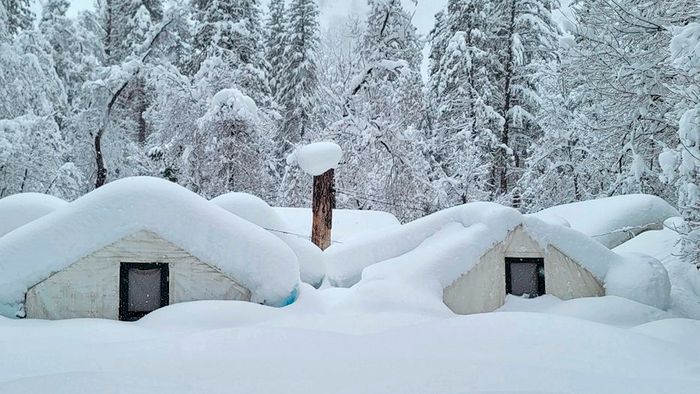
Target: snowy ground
x,y
365,339
326,343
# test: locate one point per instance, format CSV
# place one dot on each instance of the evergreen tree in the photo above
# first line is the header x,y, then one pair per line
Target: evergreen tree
x,y
18,15
275,44
529,35
465,126
230,31
298,92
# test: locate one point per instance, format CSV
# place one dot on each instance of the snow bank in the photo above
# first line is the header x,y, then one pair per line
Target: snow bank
x,y
640,278
491,352
317,158
256,258
664,245
613,220
20,209
257,211
347,223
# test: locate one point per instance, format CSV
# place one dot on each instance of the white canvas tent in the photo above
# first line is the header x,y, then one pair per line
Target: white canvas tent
x,y
158,237
472,256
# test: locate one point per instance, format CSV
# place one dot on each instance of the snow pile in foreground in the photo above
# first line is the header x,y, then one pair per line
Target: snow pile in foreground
x,y
317,158
613,220
256,258
19,209
596,345
257,211
347,223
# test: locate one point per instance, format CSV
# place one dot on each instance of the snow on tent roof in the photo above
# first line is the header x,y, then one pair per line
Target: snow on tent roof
x,y
257,211
256,258
446,244
19,209
347,223
613,220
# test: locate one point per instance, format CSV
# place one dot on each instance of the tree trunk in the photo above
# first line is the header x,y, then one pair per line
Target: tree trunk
x,y
322,209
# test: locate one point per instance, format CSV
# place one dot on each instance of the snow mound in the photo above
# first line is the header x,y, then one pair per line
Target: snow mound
x,y
347,223
257,259
19,209
257,211
640,278
315,159
613,220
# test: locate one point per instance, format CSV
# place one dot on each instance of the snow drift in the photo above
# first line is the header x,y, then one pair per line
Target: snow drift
x,y
19,209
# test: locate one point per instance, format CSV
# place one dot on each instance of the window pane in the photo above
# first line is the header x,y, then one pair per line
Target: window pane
x,y
523,279
144,290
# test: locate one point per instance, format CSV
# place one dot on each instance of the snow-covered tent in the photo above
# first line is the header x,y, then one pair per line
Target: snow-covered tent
x,y
19,209
257,211
612,220
135,245
473,255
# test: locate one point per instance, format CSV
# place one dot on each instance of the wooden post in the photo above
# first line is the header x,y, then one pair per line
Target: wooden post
x,y
322,209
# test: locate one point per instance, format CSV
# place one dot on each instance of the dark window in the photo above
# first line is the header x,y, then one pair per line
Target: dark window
x,y
143,288
525,276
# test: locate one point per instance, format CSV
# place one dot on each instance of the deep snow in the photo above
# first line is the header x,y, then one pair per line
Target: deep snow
x,y
325,343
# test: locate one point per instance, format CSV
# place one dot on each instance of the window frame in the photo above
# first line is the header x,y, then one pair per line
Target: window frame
x,y
124,267
541,288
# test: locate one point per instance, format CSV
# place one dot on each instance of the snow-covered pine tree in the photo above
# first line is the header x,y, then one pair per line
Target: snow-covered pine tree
x,y
297,94
18,15
275,39
465,127
529,39
231,32
72,60
299,82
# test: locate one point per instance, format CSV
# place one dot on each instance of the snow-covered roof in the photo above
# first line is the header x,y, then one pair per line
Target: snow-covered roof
x,y
19,209
347,223
257,259
436,250
257,211
612,220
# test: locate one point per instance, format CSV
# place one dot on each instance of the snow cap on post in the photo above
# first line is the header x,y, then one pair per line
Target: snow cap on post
x,y
317,158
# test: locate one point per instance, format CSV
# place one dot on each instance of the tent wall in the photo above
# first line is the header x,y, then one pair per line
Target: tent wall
x,y
482,289
90,287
